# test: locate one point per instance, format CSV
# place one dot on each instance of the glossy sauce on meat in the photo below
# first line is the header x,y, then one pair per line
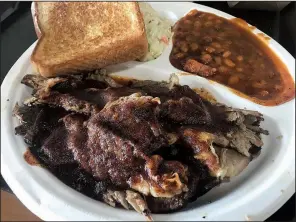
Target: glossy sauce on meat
x,y
226,51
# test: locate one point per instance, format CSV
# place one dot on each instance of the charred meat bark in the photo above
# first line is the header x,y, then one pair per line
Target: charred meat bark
x,y
116,143
66,101
63,84
68,92
55,148
38,122
143,145
42,132
184,112
120,136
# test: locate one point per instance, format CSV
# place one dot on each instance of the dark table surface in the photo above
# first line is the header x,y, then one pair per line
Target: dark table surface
x,y
17,34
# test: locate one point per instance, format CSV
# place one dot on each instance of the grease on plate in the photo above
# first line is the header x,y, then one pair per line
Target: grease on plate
x,y
205,94
30,158
247,218
279,137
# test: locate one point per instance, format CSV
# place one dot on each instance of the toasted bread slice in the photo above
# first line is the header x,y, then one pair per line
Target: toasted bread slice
x,y
83,36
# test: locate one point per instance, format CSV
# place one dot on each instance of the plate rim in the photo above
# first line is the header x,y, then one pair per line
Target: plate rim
x,y
45,213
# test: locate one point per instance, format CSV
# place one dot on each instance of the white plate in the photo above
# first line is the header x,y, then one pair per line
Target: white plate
x,y
258,192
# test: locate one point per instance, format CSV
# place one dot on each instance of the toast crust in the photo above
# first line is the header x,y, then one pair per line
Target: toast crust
x,y
71,47
34,17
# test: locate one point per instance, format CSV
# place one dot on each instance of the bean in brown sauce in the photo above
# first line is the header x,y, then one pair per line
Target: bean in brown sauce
x,y
184,48
236,53
206,58
239,69
193,46
209,23
196,33
207,39
233,80
229,63
192,13
188,22
264,93
197,24
278,87
179,55
218,21
218,60
259,84
190,38
226,54
210,49
223,69
216,45
240,58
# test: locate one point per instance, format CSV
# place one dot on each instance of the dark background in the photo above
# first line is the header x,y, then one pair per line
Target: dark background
x,y
17,34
